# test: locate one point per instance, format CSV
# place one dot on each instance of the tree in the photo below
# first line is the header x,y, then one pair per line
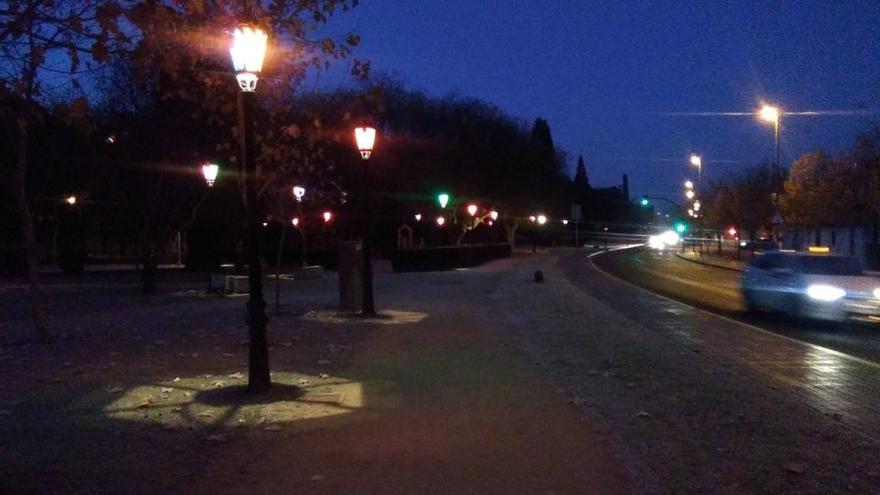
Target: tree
x,y
38,36
819,191
581,181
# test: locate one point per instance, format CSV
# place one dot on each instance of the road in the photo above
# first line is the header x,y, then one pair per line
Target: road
x,y
717,290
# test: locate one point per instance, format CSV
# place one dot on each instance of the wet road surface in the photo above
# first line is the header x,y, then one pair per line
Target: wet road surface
x,y
835,383
717,290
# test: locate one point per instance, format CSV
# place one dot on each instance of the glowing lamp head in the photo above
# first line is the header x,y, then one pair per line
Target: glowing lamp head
x,y
248,51
295,221
493,215
688,184
70,200
681,227
689,194
365,138
418,217
472,209
542,219
327,216
644,202
697,206
696,161
769,114
441,221
209,172
533,218
564,221
299,192
732,231
443,200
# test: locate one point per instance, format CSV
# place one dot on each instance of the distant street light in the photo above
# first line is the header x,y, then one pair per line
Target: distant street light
x,y
542,219
689,194
70,200
688,184
299,192
209,172
366,139
493,215
533,218
564,221
418,217
443,200
327,216
472,209
440,221
295,222
248,51
697,161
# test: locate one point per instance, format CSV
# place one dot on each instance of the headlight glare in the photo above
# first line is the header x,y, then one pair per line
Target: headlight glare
x,y
827,293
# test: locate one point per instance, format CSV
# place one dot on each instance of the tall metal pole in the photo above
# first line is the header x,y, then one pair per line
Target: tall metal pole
x,y
777,169
258,359
368,307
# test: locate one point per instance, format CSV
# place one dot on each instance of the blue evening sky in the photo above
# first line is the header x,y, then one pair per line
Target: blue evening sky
x,y
604,73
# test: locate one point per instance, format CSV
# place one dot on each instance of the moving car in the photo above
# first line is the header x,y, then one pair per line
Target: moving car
x,y
815,286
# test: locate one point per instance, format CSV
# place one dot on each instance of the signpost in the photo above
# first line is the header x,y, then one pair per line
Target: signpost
x,y
576,216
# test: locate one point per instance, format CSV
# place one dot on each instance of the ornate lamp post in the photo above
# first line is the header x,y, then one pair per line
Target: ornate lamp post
x,y
247,51
366,139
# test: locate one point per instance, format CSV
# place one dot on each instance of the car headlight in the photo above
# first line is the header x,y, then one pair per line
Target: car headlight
x,y
826,293
877,292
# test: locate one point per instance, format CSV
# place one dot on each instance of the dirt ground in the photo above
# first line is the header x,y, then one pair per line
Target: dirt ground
x,y
141,396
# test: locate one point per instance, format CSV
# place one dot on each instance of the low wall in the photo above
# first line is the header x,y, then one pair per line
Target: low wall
x,y
446,257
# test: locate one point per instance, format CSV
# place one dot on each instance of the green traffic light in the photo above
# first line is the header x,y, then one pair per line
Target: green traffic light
x,y
443,199
645,202
681,227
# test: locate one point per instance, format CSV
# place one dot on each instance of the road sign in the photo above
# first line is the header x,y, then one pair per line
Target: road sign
x,y
575,211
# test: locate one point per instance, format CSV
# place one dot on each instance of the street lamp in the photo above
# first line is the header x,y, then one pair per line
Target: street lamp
x,y
298,193
327,216
209,172
773,115
70,200
689,194
248,50
688,184
418,217
472,209
440,221
493,215
443,200
295,222
533,218
564,221
365,138
541,219
697,161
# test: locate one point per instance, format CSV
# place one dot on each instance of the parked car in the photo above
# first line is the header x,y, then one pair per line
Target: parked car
x,y
761,244
814,286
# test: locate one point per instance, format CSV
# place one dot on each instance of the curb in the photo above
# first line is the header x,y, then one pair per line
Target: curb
x,y
723,267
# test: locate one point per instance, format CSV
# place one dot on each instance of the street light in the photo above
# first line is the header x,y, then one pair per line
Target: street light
x,y
773,115
298,193
418,217
493,215
327,216
365,137
541,219
443,200
697,161
564,221
689,194
248,50
295,222
209,172
688,184
533,218
472,209
70,200
440,221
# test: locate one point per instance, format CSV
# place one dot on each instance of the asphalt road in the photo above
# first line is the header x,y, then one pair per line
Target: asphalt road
x,y
717,290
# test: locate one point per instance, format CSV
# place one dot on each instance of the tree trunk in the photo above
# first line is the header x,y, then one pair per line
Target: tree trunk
x,y
38,294
510,231
278,269
148,270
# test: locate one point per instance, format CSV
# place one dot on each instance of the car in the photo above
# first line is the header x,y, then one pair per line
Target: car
x,y
762,244
803,285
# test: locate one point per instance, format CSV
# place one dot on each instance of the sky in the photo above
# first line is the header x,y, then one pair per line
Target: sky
x,y
610,75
